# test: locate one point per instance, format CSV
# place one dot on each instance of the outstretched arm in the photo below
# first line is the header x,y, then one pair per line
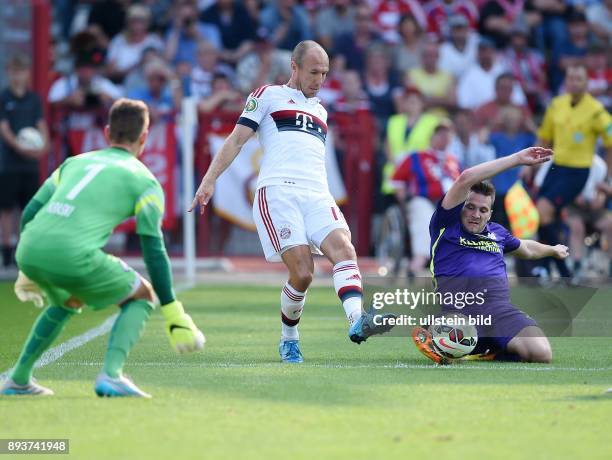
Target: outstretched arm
x,y
459,190
229,151
530,249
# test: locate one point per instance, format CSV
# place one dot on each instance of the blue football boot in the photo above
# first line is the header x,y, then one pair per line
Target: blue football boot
x,y
289,351
365,327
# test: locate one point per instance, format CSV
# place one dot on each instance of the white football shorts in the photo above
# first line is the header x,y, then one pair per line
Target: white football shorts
x,y
288,216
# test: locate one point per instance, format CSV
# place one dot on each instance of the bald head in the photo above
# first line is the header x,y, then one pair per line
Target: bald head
x,y
309,67
307,47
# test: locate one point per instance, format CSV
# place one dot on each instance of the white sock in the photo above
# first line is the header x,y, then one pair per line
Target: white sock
x,y
292,304
347,282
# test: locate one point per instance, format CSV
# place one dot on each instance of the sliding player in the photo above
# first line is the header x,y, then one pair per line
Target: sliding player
x,y
65,226
467,253
293,208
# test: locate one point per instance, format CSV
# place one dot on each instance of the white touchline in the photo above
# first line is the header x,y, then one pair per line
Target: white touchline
x,y
55,353
459,366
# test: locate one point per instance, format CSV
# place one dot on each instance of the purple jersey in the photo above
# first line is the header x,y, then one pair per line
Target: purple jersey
x,y
461,260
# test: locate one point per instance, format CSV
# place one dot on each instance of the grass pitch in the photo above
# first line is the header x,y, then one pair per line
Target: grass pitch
x,y
236,400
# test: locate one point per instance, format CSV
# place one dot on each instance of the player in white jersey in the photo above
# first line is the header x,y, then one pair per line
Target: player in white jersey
x,y
293,209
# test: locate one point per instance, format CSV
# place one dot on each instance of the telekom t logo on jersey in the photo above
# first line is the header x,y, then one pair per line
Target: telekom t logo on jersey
x,y
305,122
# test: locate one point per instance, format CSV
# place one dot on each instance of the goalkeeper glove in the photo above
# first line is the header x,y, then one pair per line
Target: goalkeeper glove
x,y
27,290
182,332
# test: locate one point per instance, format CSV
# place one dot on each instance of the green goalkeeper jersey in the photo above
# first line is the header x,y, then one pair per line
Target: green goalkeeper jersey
x,y
84,200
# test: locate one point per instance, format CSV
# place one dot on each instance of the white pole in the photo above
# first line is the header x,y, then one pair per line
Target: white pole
x,y
188,127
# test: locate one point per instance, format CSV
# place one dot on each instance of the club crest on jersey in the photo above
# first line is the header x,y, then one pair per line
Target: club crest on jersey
x,y
296,120
251,105
285,233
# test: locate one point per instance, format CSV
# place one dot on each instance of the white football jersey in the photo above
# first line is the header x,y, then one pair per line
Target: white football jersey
x,y
291,129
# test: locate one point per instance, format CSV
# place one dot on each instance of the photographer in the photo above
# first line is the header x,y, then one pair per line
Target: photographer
x,y
85,88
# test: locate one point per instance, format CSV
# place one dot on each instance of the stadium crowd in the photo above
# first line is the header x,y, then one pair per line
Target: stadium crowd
x,y
456,82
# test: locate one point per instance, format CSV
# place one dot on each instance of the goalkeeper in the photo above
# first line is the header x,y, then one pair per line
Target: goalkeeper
x,y
64,228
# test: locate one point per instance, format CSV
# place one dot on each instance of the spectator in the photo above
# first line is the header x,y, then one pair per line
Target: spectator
x,y
85,88
162,93
186,32
458,53
19,108
125,50
386,16
600,74
477,86
223,97
424,177
108,16
437,86
600,20
207,66
487,114
407,53
550,29
353,45
511,137
570,52
407,131
497,18
527,66
380,83
288,23
439,13
263,65
136,79
468,145
353,98
236,25
334,20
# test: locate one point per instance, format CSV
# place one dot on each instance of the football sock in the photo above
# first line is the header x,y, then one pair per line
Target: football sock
x,y
347,282
45,330
292,304
126,331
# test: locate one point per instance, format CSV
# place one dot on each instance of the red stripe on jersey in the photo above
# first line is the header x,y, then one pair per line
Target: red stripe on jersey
x,y
259,91
266,220
280,114
334,213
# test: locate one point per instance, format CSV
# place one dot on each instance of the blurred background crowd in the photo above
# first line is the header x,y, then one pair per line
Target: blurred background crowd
x,y
462,81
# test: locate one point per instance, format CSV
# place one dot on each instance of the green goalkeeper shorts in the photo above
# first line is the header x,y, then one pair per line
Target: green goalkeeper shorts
x,y
110,281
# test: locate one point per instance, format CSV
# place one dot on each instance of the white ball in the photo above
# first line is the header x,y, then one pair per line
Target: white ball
x,y
30,138
455,338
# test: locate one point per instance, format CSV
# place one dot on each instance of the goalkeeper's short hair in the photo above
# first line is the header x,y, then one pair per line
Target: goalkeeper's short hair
x,y
127,119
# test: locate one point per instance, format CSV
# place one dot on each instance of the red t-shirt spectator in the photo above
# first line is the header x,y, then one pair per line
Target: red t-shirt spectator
x,y
427,173
387,13
438,12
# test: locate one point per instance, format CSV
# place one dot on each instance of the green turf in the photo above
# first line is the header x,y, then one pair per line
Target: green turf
x,y
377,400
